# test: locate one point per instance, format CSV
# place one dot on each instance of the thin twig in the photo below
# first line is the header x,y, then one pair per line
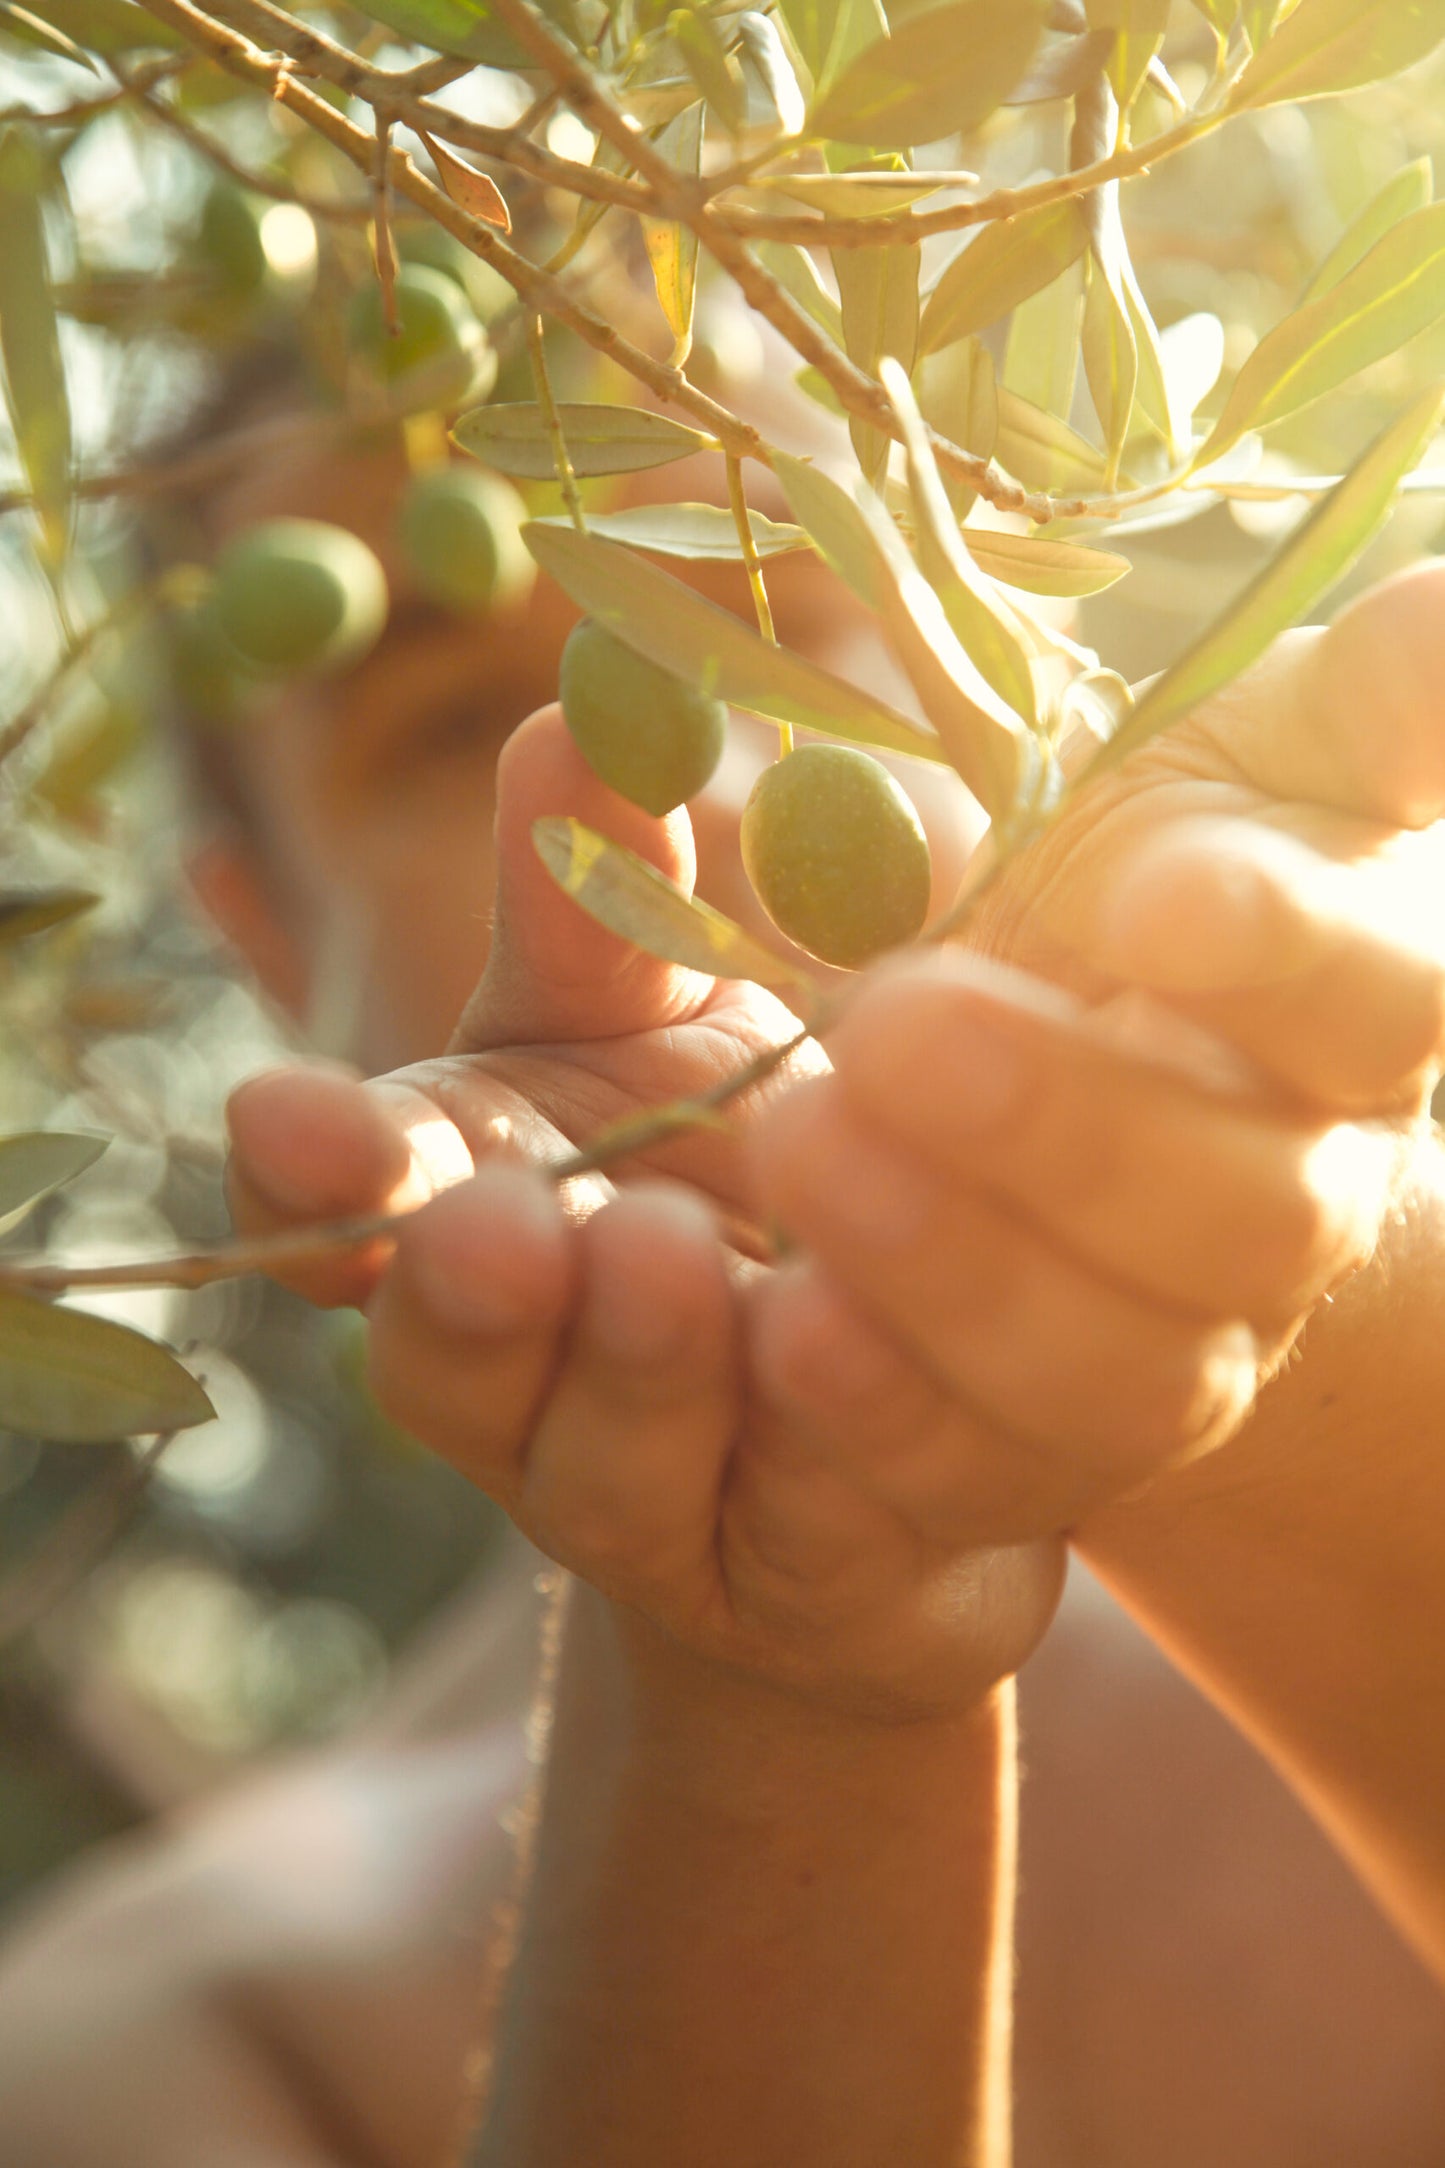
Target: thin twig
x,y
556,435
747,542
383,251
257,184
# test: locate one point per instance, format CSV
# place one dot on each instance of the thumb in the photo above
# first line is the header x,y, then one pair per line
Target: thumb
x,y
554,973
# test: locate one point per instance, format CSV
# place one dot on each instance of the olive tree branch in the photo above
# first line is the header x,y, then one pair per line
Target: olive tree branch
x,y
556,435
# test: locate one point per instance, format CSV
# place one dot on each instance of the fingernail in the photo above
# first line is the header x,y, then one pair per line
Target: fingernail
x,y
488,1262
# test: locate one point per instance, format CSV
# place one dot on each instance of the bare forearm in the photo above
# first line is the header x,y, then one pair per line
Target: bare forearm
x,y
756,1934
1299,1574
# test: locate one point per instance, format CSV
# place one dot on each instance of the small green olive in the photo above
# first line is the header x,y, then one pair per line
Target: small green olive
x,y
460,534
837,854
649,735
229,243
440,356
299,595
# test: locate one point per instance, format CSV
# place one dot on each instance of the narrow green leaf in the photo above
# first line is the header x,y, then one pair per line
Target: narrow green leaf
x,y
1042,451
39,1162
1045,335
943,71
672,249
33,29
1316,556
1408,190
30,356
468,28
107,27
81,1380
26,911
600,439
982,621
797,274
1394,291
830,33
984,739
662,619
1138,27
1041,567
878,296
1007,263
702,533
857,195
957,391
710,64
1111,357
1219,14
766,63
1332,45
637,903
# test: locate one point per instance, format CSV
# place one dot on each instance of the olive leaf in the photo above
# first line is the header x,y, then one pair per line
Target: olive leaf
x,y
830,33
107,27
657,616
1111,355
81,1380
468,28
1332,45
1041,358
765,63
26,911
1007,263
797,274
30,358
33,29
858,195
1394,291
984,625
1408,190
698,532
878,298
1138,27
1042,451
984,739
35,1164
712,67
477,193
671,248
1042,567
942,71
600,439
957,392
637,903
1316,556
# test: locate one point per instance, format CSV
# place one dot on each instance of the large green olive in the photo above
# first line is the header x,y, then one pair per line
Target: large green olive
x,y
299,595
649,735
460,533
837,854
440,356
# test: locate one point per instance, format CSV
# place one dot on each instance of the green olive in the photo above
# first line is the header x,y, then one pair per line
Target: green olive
x,y
460,533
649,735
229,243
299,595
837,854
440,356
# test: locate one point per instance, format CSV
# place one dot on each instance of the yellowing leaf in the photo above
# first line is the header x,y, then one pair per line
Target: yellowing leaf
x,y
672,249
30,358
672,626
857,195
476,193
878,296
81,1380
39,1162
1316,556
1138,27
1332,45
943,71
829,33
1394,291
1006,264
637,903
599,439
797,274
1042,567
1042,451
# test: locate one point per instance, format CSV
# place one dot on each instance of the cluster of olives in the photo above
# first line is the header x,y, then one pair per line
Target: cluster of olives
x,y
832,844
